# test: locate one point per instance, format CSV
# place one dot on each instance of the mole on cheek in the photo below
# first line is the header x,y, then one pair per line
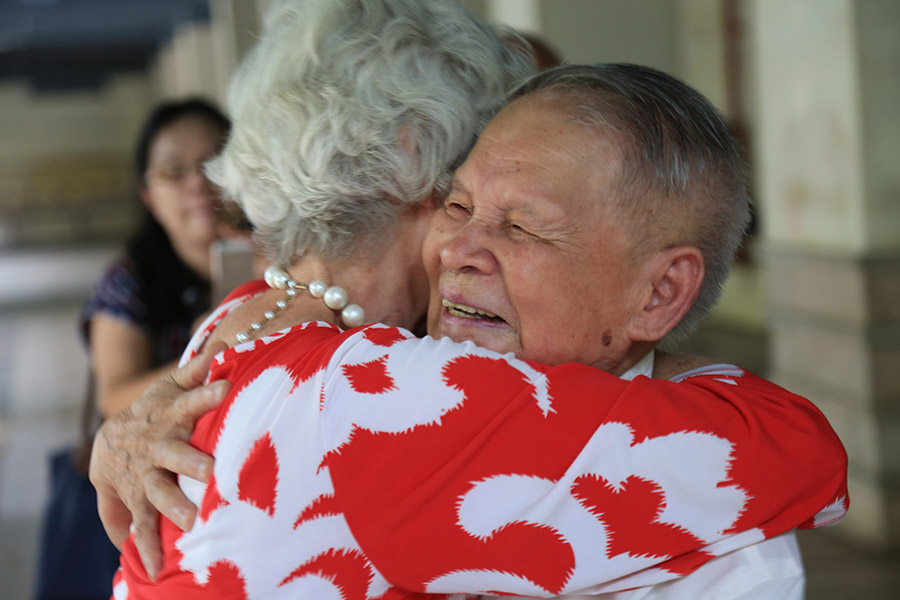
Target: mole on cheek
x,y
607,338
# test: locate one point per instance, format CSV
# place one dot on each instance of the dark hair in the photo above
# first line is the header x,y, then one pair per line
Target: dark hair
x,y
164,274
172,291
167,113
677,149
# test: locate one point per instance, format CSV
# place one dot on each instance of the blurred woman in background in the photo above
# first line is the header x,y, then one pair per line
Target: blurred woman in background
x,y
135,325
145,306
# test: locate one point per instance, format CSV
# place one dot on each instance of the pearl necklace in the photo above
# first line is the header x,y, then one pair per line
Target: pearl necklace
x,y
334,297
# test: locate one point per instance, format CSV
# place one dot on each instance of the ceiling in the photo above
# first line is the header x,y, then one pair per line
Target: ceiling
x,y
60,45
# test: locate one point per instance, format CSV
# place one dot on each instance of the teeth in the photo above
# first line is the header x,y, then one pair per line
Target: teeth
x,y
461,310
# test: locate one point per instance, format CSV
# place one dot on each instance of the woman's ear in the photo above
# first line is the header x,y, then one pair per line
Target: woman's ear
x,y
675,276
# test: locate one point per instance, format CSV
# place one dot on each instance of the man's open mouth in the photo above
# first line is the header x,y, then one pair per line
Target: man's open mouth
x,y
469,312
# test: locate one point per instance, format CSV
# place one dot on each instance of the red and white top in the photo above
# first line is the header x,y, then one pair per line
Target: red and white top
x,y
372,464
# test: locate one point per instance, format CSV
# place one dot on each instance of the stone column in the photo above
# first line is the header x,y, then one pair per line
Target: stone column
x,y
521,15
236,26
828,186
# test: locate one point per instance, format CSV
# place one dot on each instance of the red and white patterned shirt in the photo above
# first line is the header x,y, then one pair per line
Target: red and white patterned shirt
x,y
372,464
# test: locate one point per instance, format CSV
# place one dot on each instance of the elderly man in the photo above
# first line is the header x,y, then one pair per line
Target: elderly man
x,y
597,214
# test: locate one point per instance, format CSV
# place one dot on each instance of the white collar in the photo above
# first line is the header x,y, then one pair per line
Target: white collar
x,y
641,367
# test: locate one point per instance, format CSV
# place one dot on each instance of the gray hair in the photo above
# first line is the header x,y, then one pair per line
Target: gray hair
x,y
347,111
678,152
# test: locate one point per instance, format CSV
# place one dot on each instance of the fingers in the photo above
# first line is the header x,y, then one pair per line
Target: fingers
x,y
173,453
132,449
194,372
114,514
189,406
164,494
146,539
179,457
115,517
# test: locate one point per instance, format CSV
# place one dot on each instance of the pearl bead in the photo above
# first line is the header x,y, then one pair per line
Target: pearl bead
x,y
242,337
317,288
277,277
335,297
269,276
353,315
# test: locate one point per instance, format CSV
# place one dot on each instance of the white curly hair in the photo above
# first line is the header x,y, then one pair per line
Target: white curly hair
x,y
347,111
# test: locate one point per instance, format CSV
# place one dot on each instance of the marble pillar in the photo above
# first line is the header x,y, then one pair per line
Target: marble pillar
x,y
828,187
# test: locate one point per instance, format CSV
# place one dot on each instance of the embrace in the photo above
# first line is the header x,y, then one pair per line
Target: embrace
x,y
537,442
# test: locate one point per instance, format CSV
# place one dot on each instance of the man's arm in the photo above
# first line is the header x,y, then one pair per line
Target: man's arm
x,y
570,479
454,414
136,452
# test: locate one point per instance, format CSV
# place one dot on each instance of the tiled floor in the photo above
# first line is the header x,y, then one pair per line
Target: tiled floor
x,y
39,406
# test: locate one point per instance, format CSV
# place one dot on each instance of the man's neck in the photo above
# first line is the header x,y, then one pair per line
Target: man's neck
x,y
669,365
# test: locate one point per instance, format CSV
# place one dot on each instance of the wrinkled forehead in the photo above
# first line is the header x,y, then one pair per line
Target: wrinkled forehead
x,y
599,133
592,133
549,111
537,159
562,125
585,108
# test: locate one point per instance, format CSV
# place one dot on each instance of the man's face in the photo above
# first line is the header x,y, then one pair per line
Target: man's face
x,y
525,256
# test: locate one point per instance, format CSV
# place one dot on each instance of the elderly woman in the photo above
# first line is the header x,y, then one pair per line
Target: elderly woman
x,y
370,464
348,116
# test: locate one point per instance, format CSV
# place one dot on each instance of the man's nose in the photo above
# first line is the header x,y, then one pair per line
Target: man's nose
x,y
468,250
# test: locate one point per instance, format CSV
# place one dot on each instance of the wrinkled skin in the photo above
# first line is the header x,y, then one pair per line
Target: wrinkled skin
x,y
136,453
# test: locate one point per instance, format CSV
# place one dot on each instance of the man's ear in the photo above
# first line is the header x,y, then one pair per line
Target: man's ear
x,y
675,276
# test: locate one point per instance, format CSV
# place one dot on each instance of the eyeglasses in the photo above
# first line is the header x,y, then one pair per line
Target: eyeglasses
x,y
175,172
